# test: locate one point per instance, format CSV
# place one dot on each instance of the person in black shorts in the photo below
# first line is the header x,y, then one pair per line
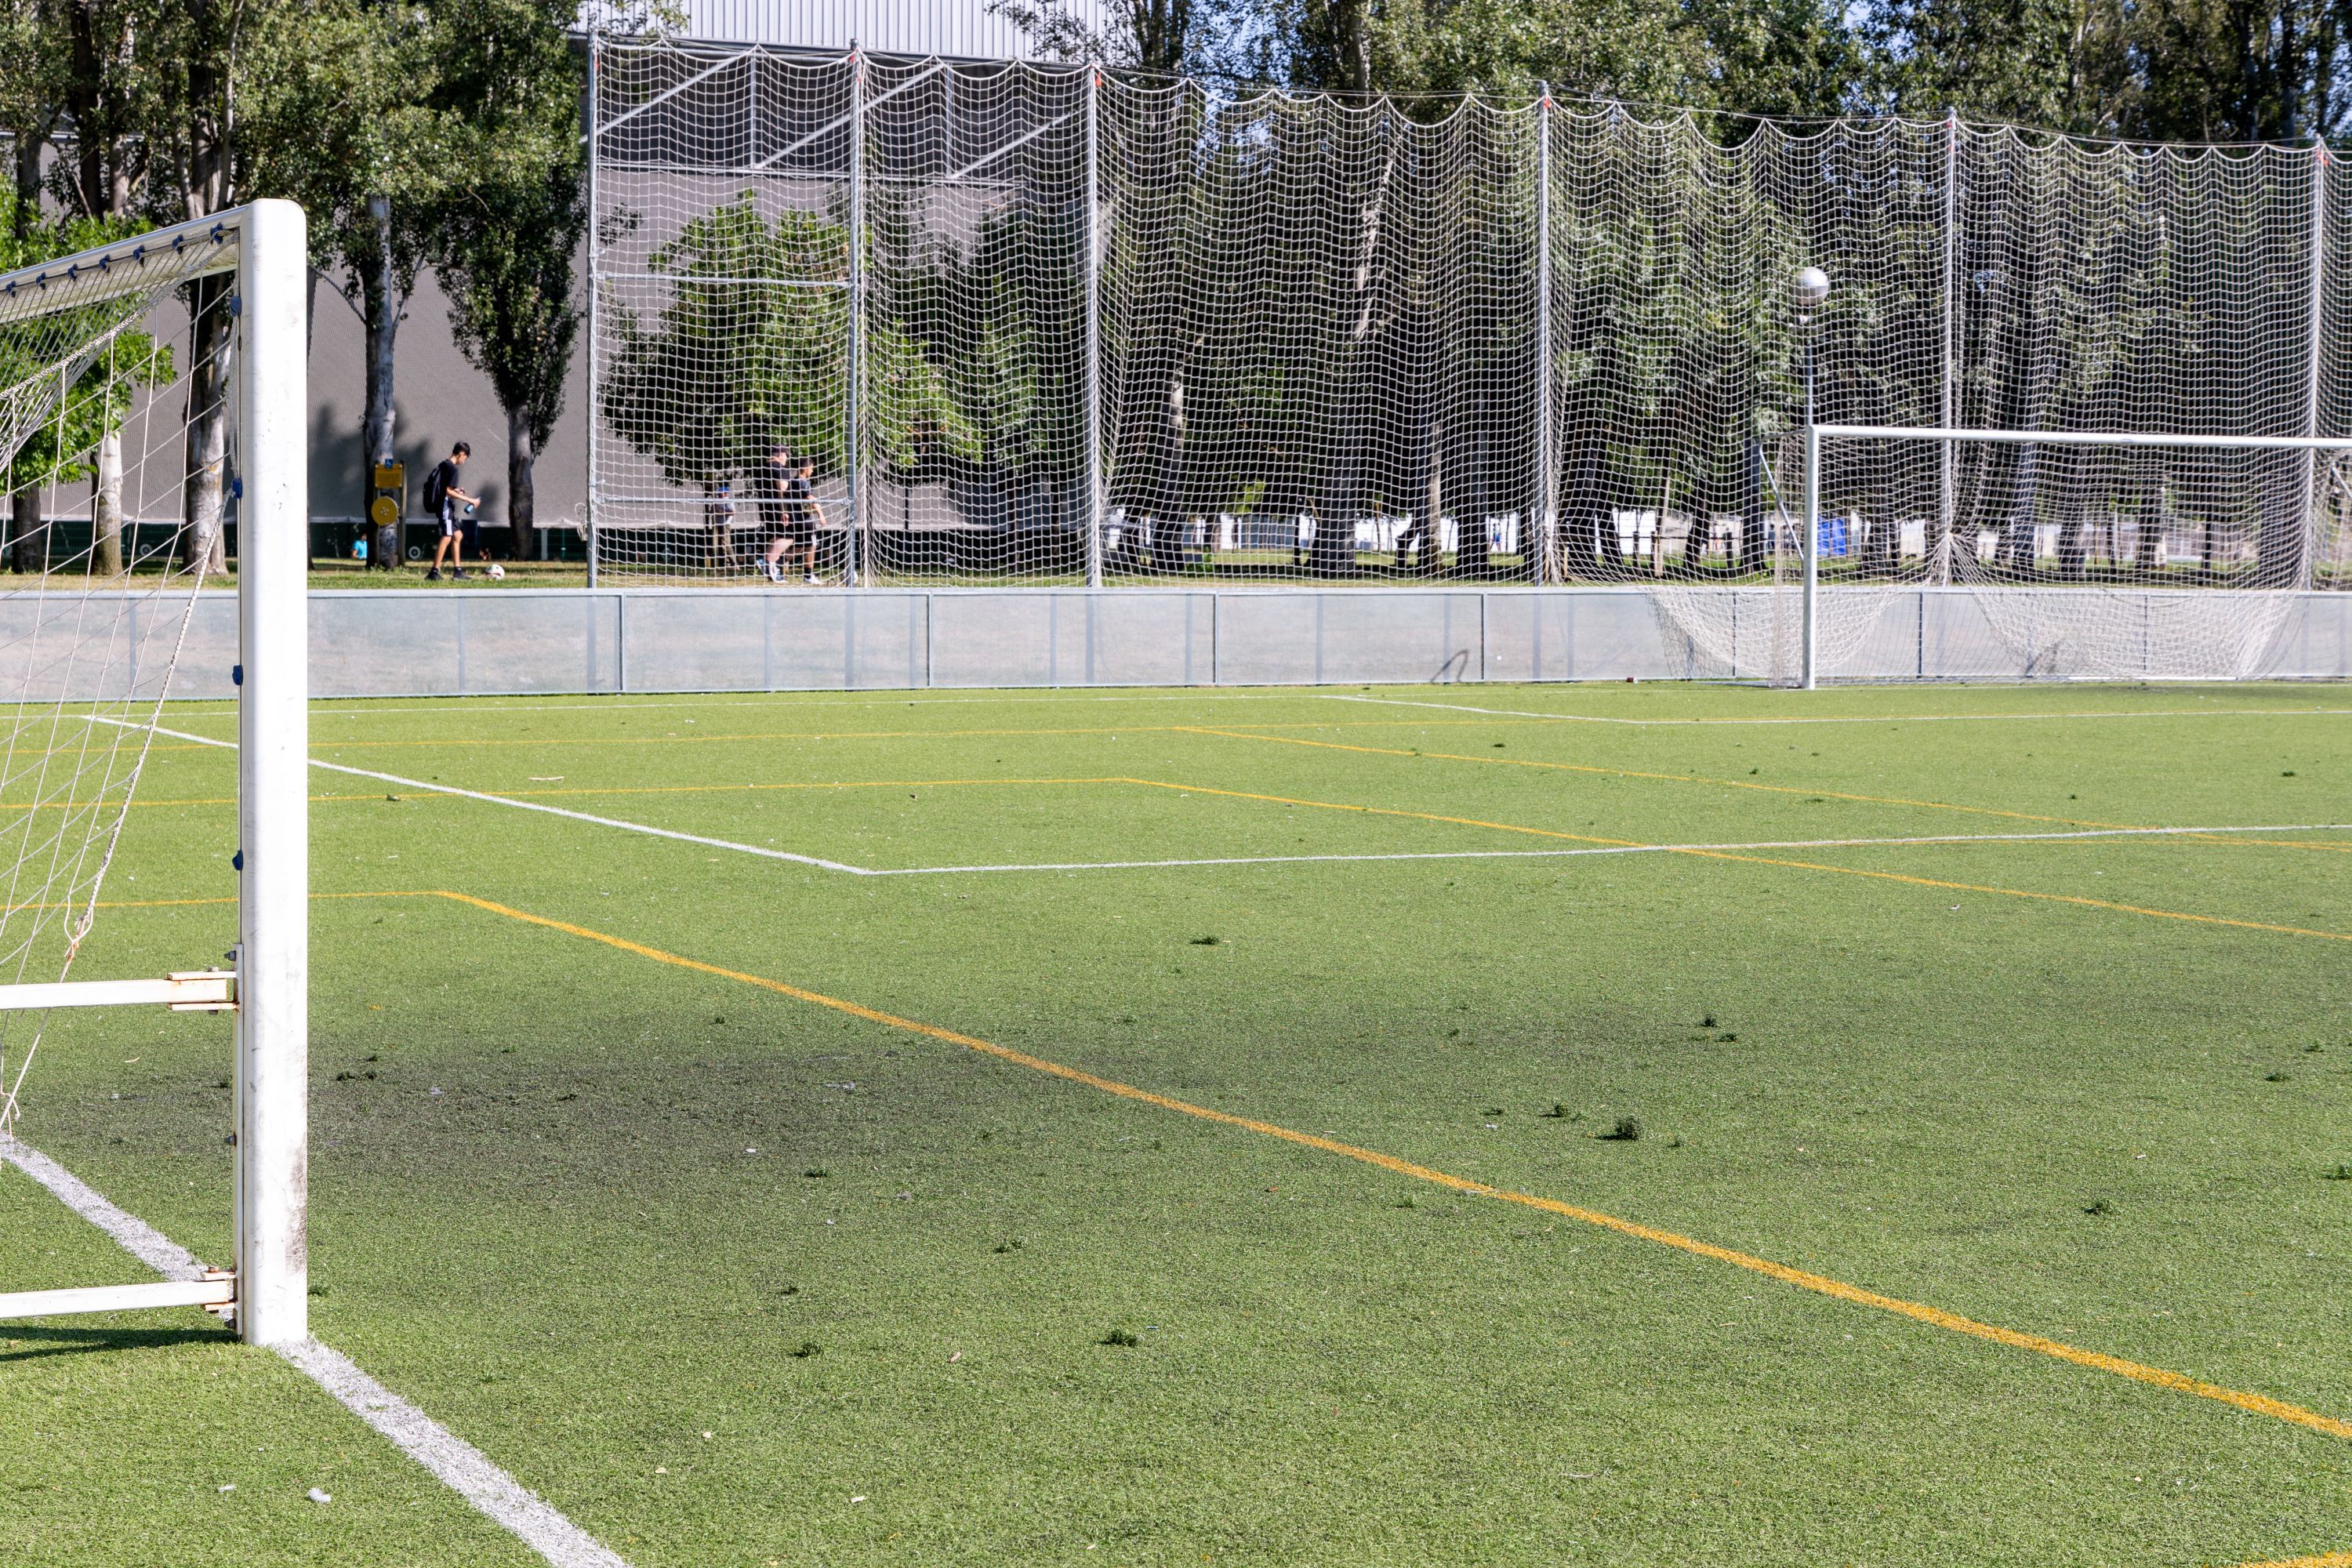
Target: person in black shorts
x,y
442,493
795,514
719,519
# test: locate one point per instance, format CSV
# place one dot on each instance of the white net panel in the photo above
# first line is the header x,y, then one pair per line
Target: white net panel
x,y
1133,331
115,440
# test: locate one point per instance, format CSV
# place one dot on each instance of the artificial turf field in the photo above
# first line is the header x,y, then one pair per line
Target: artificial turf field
x,y
1261,1208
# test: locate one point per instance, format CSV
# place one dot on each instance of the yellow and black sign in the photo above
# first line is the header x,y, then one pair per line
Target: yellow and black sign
x,y
387,504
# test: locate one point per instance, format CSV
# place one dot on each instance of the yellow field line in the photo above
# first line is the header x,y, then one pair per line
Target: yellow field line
x,y
2324,1560
1663,777
905,734
2020,893
623,789
174,903
1396,723
1389,811
2178,1383
1743,784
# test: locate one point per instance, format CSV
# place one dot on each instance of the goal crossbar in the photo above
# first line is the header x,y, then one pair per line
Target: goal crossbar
x,y
194,249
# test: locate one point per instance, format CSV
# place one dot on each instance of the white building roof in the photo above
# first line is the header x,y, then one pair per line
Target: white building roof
x,y
966,29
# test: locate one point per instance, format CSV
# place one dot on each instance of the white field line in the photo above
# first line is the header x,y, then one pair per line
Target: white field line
x,y
435,788
1853,719
846,869
1613,850
131,1233
453,1462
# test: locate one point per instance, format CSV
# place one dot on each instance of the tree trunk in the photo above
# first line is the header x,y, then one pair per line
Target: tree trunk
x,y
379,316
1753,545
204,496
106,509
523,507
91,143
25,530
380,312
2073,547
28,182
1352,43
1430,557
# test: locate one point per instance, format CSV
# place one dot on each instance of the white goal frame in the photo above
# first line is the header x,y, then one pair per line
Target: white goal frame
x,y
1808,546
266,1288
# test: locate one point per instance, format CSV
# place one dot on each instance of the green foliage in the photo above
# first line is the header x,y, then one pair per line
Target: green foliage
x,y
507,252
505,239
342,110
58,448
2167,69
706,381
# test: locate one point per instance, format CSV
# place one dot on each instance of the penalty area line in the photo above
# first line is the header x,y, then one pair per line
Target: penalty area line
x,y
540,806
2093,833
454,1462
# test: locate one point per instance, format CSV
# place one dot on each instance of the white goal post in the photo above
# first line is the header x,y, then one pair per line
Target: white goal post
x,y
2119,554
80,311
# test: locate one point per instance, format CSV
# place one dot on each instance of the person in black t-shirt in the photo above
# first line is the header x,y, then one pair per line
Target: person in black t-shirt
x,y
797,516
445,496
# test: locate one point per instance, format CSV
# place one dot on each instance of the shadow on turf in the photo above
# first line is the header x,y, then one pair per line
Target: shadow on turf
x,y
32,1342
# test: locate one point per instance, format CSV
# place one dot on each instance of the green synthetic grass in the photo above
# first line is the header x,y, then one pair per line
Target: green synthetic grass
x,y
585,1207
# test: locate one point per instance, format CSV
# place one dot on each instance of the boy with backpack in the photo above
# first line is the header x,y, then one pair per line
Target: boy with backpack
x,y
441,499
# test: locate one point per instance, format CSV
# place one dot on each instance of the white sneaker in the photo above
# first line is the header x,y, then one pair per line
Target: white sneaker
x,y
768,570
813,580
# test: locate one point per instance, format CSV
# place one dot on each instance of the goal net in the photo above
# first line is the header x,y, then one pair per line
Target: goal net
x,y
152,440
2065,555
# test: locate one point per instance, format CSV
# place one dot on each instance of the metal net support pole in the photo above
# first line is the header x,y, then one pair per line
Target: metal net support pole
x,y
1811,545
853,432
595,288
1947,496
1093,329
2308,546
1546,520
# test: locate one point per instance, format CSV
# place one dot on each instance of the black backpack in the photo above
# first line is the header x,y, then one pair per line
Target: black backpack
x,y
436,491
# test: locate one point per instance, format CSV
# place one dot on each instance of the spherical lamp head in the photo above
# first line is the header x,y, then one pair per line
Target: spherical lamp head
x,y
1807,290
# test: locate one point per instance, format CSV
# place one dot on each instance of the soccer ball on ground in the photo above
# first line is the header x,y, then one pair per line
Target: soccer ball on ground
x,y
498,571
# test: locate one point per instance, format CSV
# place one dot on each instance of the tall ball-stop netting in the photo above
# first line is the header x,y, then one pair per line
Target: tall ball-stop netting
x,y
1101,331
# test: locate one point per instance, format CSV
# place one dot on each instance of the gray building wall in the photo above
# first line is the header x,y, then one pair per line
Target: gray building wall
x,y
437,398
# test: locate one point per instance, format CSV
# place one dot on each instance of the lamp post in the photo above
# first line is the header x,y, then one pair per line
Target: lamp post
x,y
1807,290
